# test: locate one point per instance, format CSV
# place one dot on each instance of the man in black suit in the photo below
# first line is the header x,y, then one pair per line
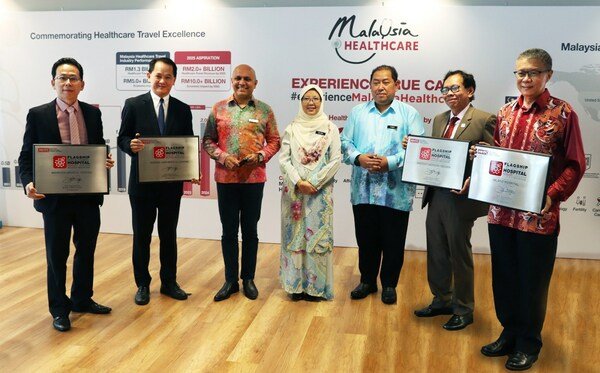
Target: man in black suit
x,y
66,120
153,114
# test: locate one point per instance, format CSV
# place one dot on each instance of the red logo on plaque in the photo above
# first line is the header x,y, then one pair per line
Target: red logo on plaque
x,y
496,168
160,152
59,161
425,153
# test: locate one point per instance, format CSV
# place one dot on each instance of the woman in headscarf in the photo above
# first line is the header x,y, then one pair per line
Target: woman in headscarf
x,y
309,158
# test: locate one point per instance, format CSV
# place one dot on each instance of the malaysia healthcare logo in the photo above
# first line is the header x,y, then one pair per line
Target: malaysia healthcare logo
x,y
160,152
425,153
59,161
496,168
358,41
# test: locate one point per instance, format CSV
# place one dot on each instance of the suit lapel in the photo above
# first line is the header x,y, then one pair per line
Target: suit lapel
x,y
52,122
90,125
170,116
465,122
438,130
151,118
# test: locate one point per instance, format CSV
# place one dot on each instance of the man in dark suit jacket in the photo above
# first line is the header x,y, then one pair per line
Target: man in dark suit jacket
x,y
451,214
65,120
153,114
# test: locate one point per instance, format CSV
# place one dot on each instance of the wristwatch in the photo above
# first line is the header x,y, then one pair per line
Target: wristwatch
x,y
261,157
356,161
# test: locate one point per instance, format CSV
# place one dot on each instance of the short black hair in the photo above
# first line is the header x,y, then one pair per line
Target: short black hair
x,y
67,61
165,60
385,67
468,80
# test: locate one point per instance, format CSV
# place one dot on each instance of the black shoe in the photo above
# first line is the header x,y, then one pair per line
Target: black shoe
x,y
250,290
226,290
388,295
520,361
362,291
173,290
296,296
61,323
501,347
94,308
458,322
431,311
142,296
311,298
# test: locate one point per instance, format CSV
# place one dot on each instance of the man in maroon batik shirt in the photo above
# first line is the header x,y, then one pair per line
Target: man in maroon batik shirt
x,y
523,244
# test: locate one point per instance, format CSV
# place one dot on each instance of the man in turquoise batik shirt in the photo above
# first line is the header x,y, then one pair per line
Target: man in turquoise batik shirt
x,y
381,202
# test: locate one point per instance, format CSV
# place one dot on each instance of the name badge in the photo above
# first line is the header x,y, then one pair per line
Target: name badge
x,y
320,133
392,127
252,120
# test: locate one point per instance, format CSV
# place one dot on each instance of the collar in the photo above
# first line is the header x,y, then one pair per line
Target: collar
x,y
540,102
63,105
156,99
393,108
459,115
232,102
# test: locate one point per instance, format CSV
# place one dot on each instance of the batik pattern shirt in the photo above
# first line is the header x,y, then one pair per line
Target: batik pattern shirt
x,y
237,131
369,131
549,126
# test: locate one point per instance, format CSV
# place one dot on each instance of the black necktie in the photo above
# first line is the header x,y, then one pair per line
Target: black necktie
x,y
161,117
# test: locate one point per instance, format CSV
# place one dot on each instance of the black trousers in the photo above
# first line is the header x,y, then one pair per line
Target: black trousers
x,y
239,203
381,235
144,211
83,217
522,265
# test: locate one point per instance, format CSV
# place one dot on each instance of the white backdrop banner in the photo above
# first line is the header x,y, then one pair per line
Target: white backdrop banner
x,y
335,48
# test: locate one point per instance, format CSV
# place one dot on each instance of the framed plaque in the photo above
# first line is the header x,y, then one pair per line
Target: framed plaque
x,y
70,169
510,178
435,162
169,158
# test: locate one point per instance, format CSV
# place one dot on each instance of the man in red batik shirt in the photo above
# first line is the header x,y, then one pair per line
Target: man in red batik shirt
x,y
523,244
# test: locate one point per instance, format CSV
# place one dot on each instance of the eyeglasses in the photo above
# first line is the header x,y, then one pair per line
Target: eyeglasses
x,y
64,79
521,74
311,99
454,88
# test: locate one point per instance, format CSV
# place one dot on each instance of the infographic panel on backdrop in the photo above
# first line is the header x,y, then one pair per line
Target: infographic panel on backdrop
x,y
132,68
336,50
